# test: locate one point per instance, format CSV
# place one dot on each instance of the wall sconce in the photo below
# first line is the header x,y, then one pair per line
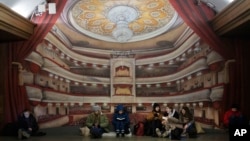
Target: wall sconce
x,y
51,75
105,104
140,105
165,104
194,104
168,84
176,105
200,104
58,104
65,104
72,104
181,105
50,7
197,47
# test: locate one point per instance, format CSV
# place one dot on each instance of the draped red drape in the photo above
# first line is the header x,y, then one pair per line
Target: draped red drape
x,y
15,98
197,18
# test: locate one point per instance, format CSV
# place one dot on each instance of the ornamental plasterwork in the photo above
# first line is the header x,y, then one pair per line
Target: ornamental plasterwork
x,y
153,18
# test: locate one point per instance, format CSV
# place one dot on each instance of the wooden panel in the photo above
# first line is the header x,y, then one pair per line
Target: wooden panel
x,y
14,27
234,20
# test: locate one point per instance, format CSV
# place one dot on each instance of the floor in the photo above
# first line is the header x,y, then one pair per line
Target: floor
x,y
73,134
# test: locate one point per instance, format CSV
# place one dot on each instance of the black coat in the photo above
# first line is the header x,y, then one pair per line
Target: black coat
x,y
25,123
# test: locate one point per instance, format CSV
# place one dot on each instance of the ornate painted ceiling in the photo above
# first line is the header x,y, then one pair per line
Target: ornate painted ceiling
x,y
96,24
99,19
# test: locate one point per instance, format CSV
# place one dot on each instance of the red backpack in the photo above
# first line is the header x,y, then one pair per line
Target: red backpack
x,y
139,129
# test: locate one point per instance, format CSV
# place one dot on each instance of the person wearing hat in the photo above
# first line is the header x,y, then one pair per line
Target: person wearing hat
x,y
97,122
120,121
154,120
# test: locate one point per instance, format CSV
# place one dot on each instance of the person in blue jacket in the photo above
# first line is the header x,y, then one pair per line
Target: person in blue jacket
x,y
120,121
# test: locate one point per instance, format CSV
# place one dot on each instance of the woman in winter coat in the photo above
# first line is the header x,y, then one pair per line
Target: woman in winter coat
x,y
97,122
154,120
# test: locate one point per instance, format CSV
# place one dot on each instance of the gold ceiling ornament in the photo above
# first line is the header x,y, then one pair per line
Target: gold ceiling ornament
x,y
122,20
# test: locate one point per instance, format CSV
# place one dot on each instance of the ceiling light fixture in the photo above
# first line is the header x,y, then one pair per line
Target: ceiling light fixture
x,y
50,7
122,15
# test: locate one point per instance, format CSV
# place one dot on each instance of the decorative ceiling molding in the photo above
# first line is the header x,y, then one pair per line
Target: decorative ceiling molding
x,y
146,19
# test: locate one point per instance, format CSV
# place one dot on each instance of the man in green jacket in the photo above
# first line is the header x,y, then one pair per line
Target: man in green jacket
x,y
97,122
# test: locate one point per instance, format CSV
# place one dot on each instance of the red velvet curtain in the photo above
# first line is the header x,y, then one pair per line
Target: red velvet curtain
x,y
15,98
237,90
197,17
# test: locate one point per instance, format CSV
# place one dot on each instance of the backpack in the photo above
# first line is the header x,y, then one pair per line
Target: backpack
x,y
148,128
10,129
139,129
191,130
176,134
96,132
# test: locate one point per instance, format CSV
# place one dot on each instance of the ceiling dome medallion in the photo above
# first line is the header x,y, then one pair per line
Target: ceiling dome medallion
x,y
122,21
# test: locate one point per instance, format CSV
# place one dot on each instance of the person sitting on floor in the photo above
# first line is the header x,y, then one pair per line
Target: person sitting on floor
x,y
187,119
120,121
97,122
153,121
169,117
184,127
27,125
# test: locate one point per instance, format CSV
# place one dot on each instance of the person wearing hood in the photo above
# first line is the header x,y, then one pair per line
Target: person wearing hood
x,y
97,122
120,120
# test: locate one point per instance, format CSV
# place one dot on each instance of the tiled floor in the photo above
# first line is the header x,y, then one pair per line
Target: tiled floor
x,y
73,134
